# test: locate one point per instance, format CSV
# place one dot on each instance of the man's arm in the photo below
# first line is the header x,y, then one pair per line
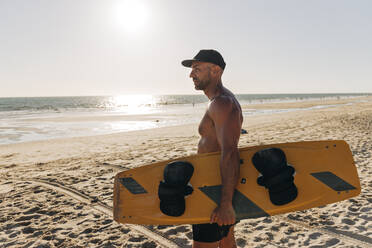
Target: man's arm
x,y
226,118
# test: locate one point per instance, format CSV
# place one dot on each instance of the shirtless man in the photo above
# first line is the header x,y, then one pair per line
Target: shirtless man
x,y
220,131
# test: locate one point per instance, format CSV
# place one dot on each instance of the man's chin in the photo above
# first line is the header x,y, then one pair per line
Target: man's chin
x,y
199,86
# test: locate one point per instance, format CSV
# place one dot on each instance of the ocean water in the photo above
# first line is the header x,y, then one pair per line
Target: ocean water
x,y
40,118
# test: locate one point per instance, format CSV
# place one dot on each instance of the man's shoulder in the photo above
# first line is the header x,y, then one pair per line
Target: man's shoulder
x,y
221,106
222,102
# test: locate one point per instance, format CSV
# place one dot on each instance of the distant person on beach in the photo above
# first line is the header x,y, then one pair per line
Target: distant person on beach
x,y
220,131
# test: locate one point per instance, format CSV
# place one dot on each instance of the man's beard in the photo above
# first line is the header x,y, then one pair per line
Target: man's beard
x,y
201,85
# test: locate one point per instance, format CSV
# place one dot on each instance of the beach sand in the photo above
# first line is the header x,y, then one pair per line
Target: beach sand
x,y
58,193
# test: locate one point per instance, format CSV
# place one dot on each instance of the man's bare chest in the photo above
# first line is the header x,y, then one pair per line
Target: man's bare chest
x,y
206,126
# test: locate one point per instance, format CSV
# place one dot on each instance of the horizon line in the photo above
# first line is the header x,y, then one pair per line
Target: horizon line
x,y
201,94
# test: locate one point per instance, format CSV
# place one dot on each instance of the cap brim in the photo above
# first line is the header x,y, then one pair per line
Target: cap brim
x,y
188,62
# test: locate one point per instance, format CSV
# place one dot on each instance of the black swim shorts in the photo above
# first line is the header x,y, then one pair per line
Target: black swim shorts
x,y
209,232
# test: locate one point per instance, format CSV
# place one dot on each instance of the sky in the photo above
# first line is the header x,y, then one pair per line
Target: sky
x,y
119,47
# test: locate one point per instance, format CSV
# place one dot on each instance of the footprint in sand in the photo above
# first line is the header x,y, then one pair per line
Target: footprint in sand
x,y
348,221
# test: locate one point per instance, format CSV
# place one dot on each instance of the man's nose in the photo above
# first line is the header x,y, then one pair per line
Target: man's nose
x,y
191,74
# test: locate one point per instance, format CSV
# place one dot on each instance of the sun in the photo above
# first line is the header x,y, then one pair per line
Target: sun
x,y
131,15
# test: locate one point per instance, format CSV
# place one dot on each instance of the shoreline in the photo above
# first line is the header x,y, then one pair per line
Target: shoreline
x,y
106,123
74,146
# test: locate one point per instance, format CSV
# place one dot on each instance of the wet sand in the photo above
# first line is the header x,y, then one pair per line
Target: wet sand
x,y
58,193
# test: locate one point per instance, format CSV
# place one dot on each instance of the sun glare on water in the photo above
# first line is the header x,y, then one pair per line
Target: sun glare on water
x,y
131,15
134,104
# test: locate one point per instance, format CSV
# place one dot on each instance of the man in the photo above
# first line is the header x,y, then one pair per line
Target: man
x,y
220,131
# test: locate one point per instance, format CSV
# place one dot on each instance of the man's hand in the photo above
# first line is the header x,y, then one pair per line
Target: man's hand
x,y
223,215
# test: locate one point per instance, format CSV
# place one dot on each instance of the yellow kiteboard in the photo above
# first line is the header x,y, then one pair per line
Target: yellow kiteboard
x,y
324,173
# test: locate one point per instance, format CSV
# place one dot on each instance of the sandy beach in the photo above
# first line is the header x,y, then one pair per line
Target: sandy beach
x,y
58,193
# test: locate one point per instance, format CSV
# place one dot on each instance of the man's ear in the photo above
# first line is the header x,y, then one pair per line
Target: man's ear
x,y
217,70
212,68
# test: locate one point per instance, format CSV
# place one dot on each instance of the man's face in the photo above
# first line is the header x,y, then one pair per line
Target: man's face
x,y
201,75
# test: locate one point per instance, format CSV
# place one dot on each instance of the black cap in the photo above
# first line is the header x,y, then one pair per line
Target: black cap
x,y
210,56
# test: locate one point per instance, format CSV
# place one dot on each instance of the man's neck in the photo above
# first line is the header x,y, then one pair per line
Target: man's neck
x,y
214,91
